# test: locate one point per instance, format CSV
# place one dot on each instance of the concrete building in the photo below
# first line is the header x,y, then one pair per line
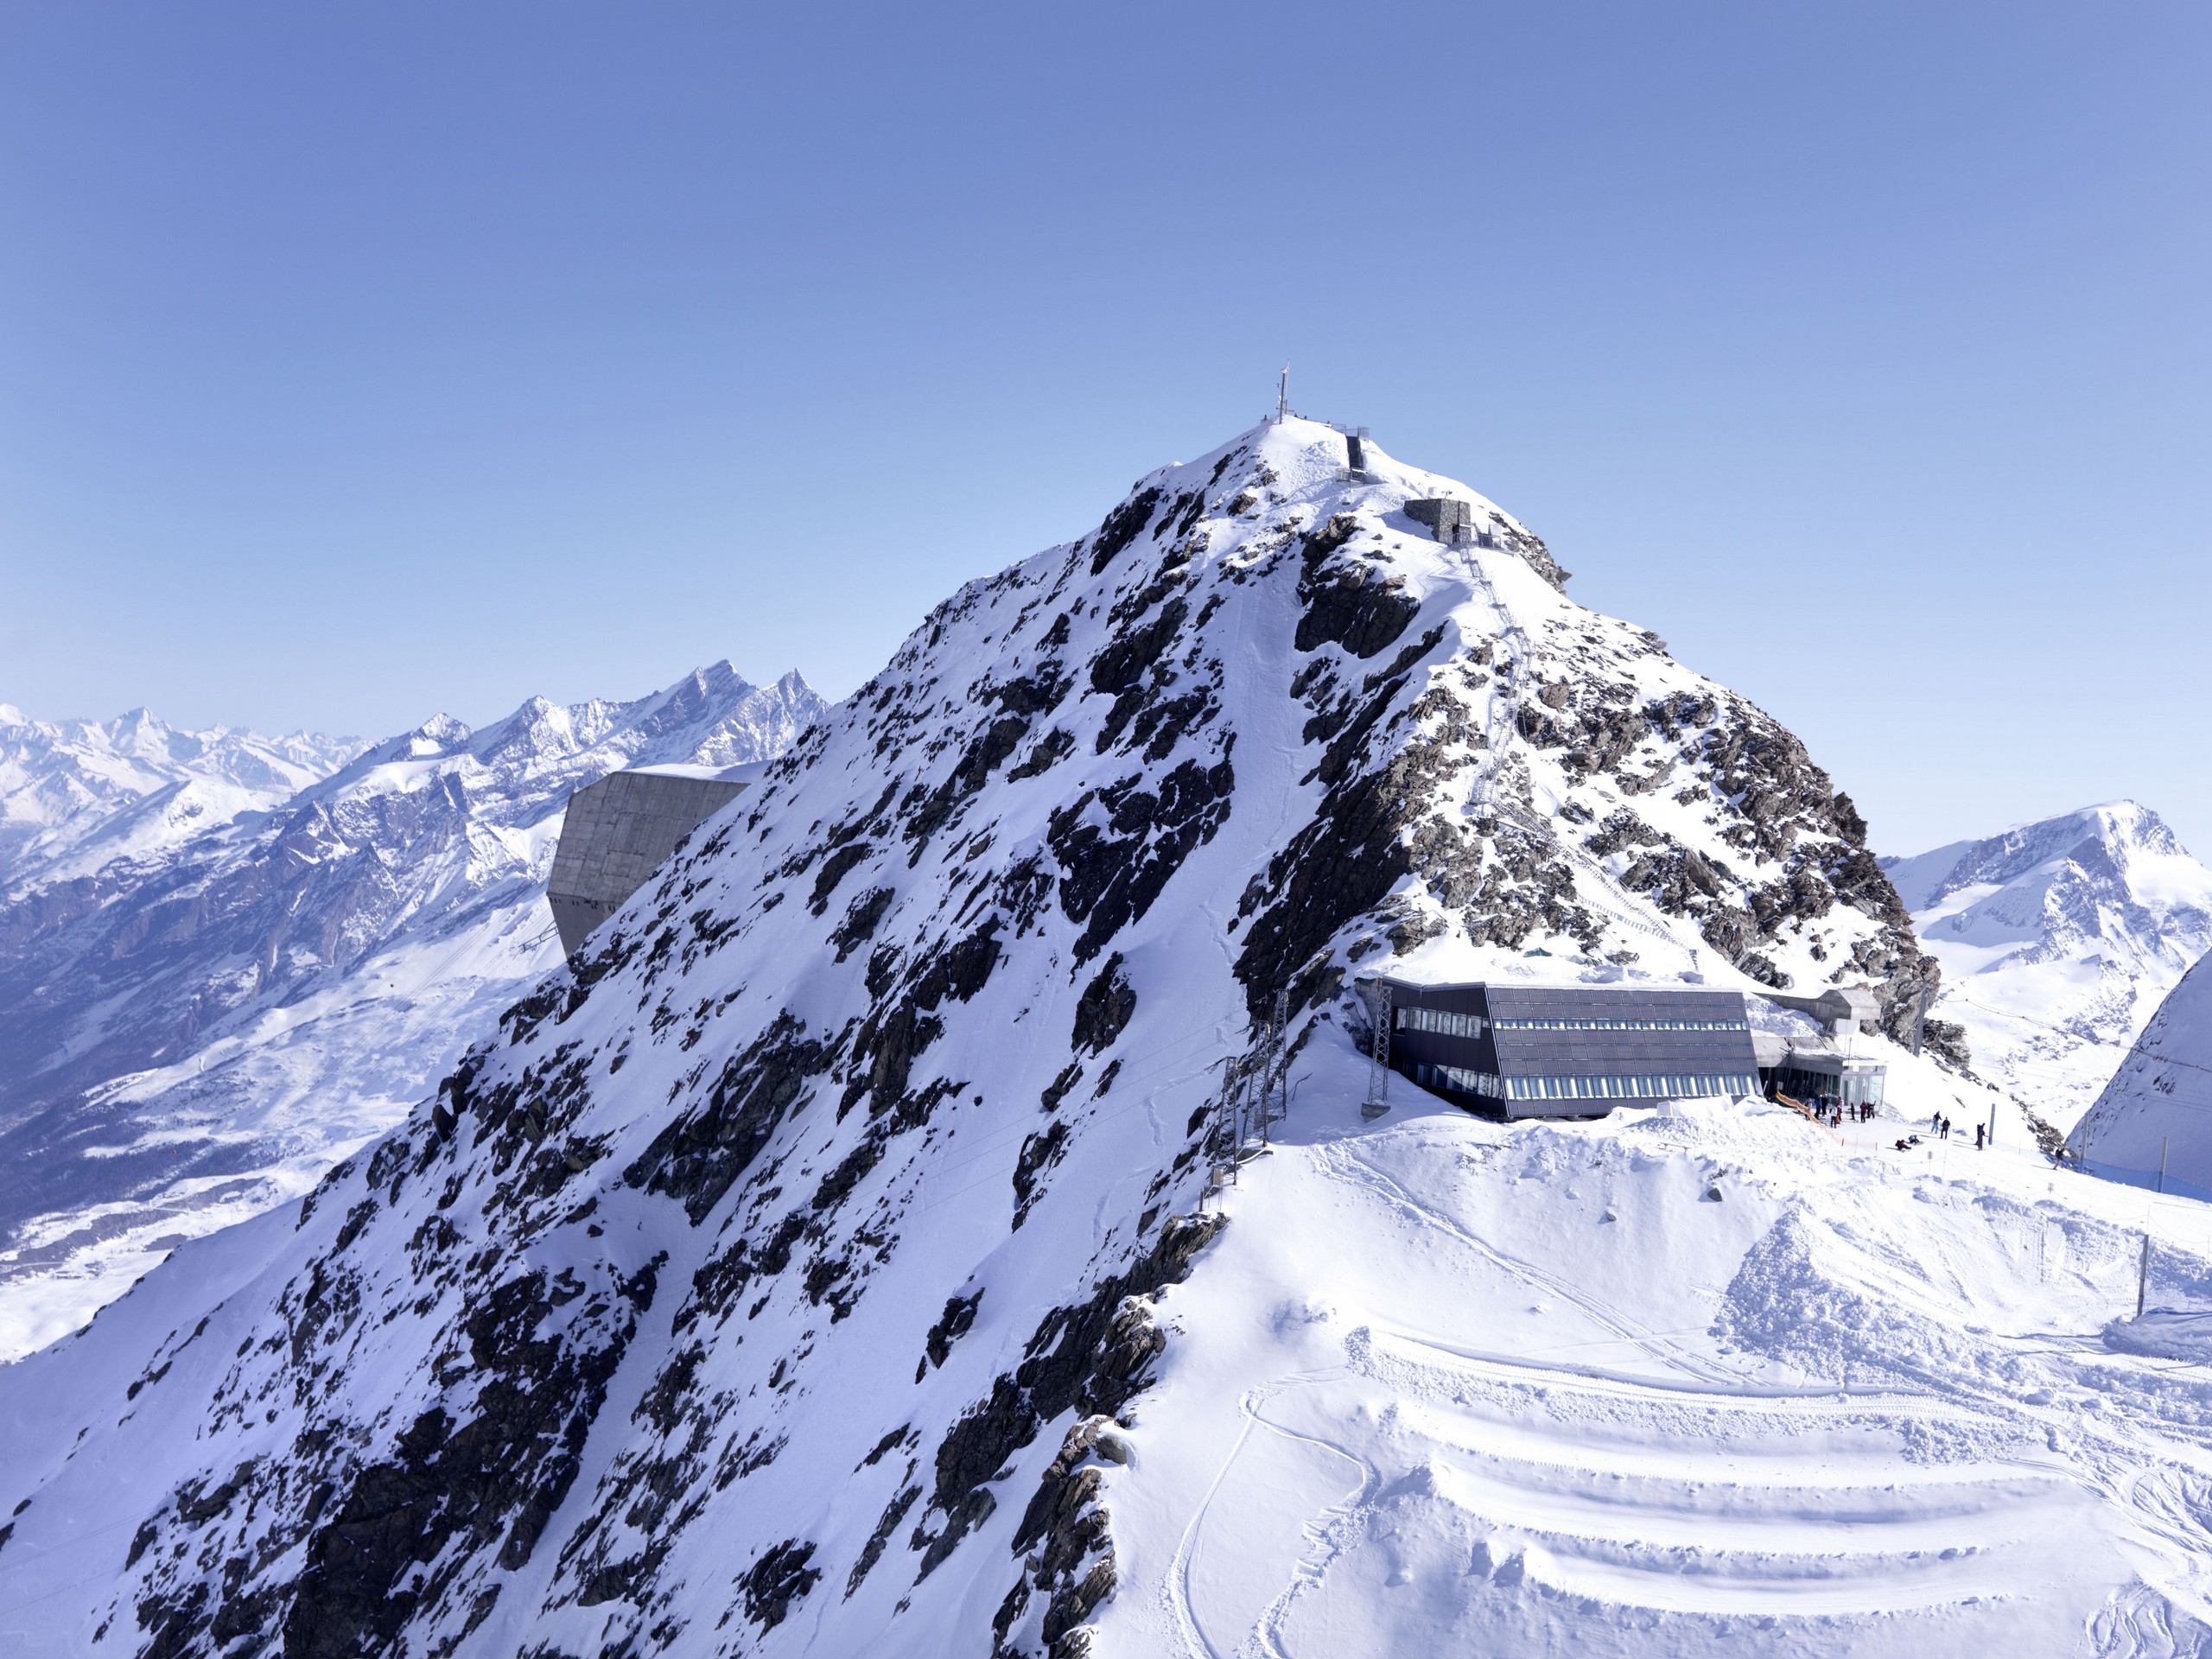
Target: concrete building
x,y
1451,522
620,829
1570,1051
1826,1072
1842,1008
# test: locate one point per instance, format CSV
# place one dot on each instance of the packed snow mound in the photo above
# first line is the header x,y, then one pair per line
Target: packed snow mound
x,y
193,1031
2155,1114
77,794
2058,940
790,1273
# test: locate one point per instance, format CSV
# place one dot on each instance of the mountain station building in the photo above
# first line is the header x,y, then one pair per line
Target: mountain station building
x,y
1567,1050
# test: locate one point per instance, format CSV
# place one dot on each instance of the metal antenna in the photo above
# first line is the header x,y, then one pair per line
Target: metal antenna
x,y
1282,397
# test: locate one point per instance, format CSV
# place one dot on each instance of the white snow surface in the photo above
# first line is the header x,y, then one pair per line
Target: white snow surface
x,y
2058,941
1706,1381
201,1026
2153,1122
827,1264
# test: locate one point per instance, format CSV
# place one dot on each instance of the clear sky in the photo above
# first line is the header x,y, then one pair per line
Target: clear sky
x,y
360,361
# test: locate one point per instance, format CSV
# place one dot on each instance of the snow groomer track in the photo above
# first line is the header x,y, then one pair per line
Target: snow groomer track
x,y
1679,1383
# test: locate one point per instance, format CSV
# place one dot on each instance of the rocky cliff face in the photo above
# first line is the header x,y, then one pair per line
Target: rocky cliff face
x,y
199,1029
2058,939
787,1274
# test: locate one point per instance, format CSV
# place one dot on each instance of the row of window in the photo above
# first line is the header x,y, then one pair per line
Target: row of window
x,y
1623,1025
1458,1078
1441,1021
1648,1087
1683,1087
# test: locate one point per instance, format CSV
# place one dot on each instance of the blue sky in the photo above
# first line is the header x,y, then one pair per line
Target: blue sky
x,y
358,362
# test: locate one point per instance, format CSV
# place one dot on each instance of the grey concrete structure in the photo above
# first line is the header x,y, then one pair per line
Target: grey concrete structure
x,y
1842,1007
1454,522
619,831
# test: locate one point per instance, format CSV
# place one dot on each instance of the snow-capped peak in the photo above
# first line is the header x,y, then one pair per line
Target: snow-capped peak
x,y
788,1274
77,794
2058,939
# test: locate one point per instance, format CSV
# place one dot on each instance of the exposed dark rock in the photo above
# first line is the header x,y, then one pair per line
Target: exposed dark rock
x,y
1105,1007
1091,1357
496,1477
957,1319
697,1157
1039,1151
834,869
1124,526
860,919
1115,860
779,1578
1349,603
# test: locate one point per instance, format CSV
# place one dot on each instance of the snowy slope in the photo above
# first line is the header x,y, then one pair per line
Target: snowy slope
x,y
2058,939
807,1270
192,1034
1702,1383
76,794
2157,1111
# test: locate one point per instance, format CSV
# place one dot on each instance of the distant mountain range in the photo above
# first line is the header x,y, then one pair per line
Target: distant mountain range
x,y
226,960
2058,941
76,794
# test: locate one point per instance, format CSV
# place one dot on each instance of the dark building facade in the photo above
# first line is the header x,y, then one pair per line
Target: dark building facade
x,y
1569,1051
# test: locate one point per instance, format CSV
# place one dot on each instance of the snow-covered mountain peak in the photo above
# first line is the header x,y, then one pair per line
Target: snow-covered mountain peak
x,y
2114,836
2059,938
790,1274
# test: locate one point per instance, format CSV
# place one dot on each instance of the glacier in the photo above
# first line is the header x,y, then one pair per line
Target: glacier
x,y
850,1252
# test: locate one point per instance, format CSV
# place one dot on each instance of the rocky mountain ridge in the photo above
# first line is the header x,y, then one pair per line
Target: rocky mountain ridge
x,y
790,1273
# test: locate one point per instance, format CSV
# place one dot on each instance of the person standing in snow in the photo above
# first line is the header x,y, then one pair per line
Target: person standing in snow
x,y
1977,1136
1935,1123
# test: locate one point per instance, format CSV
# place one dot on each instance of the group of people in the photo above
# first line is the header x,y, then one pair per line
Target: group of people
x,y
1834,1112
1939,1125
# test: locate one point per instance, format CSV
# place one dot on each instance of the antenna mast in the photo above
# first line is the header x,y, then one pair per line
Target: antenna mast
x,y
1282,397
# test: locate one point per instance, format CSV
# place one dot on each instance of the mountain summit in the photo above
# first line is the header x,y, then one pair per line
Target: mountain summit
x,y
789,1273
